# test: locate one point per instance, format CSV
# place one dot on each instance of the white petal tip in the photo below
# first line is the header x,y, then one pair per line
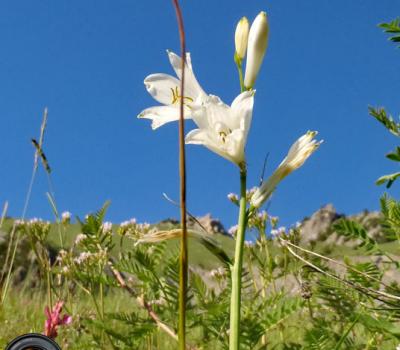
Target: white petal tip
x,y
156,124
171,53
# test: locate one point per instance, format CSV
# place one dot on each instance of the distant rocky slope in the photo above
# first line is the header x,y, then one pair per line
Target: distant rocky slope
x,y
316,228
207,222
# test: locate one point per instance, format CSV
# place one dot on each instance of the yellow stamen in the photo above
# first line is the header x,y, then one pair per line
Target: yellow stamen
x,y
176,97
224,134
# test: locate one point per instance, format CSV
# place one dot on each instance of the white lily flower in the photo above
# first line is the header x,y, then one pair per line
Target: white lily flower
x,y
166,90
257,45
223,129
297,155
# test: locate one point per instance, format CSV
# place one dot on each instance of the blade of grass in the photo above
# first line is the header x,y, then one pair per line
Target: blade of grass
x,y
12,247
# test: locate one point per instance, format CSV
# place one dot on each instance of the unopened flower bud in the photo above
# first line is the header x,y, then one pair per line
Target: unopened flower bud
x,y
233,230
274,221
300,151
241,36
66,217
257,45
233,198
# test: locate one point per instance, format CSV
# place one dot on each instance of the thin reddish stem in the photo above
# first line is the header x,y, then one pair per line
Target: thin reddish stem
x,y
183,275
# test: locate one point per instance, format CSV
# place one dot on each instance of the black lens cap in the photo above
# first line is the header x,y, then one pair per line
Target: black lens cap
x,y
33,341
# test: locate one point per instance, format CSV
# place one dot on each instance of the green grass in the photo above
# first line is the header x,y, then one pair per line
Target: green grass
x,y
24,310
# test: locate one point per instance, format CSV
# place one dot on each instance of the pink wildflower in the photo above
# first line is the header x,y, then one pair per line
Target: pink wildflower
x,y
54,320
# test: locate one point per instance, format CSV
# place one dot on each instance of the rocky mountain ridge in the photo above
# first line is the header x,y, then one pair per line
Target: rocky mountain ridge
x,y
316,228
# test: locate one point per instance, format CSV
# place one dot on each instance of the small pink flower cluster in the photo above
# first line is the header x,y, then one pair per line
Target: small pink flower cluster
x,y
54,320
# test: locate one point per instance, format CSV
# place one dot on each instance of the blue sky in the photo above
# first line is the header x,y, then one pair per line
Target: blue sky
x,y
86,60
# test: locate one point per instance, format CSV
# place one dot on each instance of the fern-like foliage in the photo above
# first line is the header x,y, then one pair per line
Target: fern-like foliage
x,y
279,309
394,127
386,120
390,209
210,306
92,228
252,328
381,325
380,114
355,231
125,330
337,296
366,274
321,337
393,28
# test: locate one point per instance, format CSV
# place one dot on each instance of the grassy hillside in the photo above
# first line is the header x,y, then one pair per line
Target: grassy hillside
x,y
299,307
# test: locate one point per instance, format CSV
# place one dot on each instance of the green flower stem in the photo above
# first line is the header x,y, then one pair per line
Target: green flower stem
x,y
49,288
101,299
234,335
253,276
52,201
346,333
238,62
101,291
270,270
236,272
101,315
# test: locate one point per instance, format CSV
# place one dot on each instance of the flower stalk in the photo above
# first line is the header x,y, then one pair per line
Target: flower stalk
x,y
183,261
236,271
239,65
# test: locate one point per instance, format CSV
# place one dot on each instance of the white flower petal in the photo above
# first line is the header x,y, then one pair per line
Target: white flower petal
x,y
223,129
161,115
234,146
242,107
166,90
175,61
264,192
162,87
192,87
205,138
197,137
257,45
218,113
300,151
199,116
